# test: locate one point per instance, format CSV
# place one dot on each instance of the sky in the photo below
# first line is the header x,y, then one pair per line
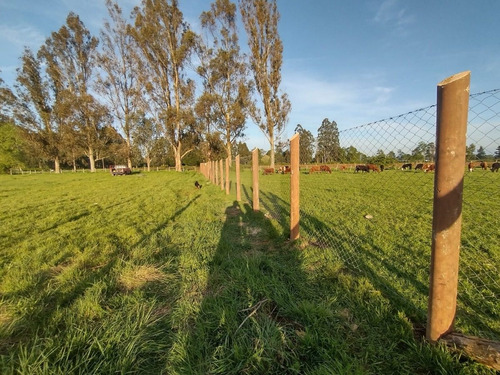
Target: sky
x,y
353,62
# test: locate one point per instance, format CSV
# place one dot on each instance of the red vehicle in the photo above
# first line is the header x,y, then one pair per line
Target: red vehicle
x,y
119,170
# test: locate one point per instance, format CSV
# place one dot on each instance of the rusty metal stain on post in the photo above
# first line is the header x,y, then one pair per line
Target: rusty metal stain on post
x,y
238,179
294,187
255,179
451,129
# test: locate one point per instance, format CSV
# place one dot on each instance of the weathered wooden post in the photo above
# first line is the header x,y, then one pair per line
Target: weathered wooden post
x,y
227,175
255,179
294,187
452,109
216,169
238,179
221,167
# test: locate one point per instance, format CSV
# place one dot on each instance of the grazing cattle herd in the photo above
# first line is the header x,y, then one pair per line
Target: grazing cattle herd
x,y
426,167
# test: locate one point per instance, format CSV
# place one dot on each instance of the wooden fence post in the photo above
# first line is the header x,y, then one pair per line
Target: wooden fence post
x,y
221,167
451,128
238,179
227,175
294,187
216,169
255,179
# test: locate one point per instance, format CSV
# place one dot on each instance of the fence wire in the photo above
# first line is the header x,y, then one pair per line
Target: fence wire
x,y
378,223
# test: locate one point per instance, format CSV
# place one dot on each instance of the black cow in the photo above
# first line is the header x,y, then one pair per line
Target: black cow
x,y
382,167
406,166
362,168
495,167
419,166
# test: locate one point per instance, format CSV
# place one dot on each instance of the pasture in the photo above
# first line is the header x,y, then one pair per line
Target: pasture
x,y
147,274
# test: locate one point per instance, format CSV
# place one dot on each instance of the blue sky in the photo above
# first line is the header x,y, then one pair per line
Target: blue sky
x,y
353,62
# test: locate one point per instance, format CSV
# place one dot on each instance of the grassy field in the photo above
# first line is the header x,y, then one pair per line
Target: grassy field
x,y
146,274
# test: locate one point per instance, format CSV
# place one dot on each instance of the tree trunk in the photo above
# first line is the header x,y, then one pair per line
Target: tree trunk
x,y
129,159
57,165
228,149
481,350
177,155
271,143
148,163
91,159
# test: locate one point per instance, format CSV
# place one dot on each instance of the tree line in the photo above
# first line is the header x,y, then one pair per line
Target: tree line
x,y
130,93
325,148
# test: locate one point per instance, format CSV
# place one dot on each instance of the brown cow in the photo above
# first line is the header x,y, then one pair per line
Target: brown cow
x,y
470,166
372,167
483,165
315,168
284,169
267,171
325,168
362,168
428,168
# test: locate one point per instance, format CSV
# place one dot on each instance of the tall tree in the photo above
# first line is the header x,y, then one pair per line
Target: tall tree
x,y
481,153
328,147
306,144
224,71
70,53
39,107
260,18
166,43
7,101
119,81
469,151
497,153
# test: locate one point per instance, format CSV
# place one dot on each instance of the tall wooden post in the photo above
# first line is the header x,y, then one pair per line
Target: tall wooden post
x,y
221,167
452,110
216,169
238,179
294,187
255,179
227,175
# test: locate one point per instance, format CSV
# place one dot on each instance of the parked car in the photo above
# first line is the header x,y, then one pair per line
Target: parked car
x,y
119,170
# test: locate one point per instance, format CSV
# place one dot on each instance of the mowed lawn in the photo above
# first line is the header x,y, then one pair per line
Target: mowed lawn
x,y
145,274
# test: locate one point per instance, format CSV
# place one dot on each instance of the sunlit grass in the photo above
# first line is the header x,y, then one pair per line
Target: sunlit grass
x,y
147,274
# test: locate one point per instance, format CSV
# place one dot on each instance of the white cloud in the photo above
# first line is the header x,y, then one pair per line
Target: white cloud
x,y
22,35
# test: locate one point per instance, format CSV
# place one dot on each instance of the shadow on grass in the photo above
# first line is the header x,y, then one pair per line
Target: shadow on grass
x,y
270,307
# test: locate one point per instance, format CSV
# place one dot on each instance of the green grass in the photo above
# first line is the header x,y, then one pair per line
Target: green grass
x,y
146,274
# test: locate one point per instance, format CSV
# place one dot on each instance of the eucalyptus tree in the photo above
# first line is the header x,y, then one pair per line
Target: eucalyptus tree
x,y
306,144
40,106
260,18
328,144
71,52
119,79
7,101
227,88
166,44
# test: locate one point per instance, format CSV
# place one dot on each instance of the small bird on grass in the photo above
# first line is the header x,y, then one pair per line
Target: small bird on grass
x,y
198,186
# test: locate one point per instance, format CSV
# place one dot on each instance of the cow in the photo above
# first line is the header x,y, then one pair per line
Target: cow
x,y
382,167
267,171
342,167
325,168
483,165
429,168
314,168
362,168
406,166
419,166
285,169
372,167
495,167
470,166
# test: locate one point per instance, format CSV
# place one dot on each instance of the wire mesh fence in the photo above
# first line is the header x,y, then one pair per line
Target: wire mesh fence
x,y
371,209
